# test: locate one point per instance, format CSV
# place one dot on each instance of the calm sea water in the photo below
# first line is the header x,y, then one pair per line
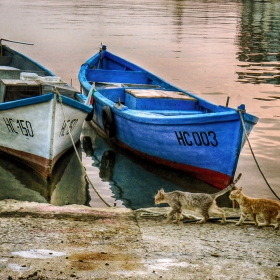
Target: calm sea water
x,y
213,49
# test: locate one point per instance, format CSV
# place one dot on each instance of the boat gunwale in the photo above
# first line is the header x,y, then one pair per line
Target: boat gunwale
x,y
43,98
137,115
26,101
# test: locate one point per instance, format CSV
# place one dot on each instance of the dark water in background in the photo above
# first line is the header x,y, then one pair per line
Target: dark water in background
x,y
213,49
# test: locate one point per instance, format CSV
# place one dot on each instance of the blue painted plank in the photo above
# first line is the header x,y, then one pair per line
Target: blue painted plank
x,y
116,76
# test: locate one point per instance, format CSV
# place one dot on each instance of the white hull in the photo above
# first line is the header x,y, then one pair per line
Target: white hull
x,y
36,132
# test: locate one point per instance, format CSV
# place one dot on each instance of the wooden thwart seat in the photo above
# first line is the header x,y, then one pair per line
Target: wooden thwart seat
x,y
153,93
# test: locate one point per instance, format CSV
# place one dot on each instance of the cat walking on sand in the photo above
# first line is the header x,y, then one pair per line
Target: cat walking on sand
x,y
202,203
268,209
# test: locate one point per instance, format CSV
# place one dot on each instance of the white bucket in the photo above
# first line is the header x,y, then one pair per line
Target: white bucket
x,y
28,76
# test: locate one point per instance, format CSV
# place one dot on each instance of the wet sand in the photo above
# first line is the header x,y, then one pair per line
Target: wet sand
x,y
41,241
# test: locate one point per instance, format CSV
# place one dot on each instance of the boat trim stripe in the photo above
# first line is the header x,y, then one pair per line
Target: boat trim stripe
x,y
26,101
76,104
41,99
211,177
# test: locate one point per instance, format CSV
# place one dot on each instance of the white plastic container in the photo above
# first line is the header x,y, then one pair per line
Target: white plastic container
x,y
50,79
28,76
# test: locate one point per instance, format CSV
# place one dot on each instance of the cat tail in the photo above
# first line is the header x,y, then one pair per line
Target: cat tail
x,y
228,187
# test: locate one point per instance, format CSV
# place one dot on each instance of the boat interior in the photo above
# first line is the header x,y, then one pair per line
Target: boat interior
x,y
21,78
138,90
131,87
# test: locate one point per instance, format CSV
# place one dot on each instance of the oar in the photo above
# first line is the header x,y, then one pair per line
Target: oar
x,y
17,42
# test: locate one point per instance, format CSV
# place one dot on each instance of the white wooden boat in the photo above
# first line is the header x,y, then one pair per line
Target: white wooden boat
x,y
37,112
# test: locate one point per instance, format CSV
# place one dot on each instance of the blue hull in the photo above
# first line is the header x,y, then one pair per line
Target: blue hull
x,y
163,123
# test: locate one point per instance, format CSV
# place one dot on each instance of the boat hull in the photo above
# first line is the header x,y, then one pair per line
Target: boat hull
x,y
207,147
34,130
215,178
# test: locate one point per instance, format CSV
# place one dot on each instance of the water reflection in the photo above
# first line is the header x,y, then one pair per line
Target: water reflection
x,y
134,181
201,46
67,186
258,39
119,177
14,179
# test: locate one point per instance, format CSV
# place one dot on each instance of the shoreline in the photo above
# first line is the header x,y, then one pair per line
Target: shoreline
x,y
42,241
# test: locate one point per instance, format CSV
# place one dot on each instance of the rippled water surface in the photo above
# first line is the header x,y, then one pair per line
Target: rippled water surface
x,y
213,49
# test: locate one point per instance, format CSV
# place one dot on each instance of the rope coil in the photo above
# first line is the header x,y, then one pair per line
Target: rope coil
x,y
74,146
247,138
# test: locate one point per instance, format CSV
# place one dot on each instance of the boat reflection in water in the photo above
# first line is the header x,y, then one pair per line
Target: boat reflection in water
x,y
134,181
67,186
120,178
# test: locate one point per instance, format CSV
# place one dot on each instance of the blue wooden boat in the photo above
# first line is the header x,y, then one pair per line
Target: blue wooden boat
x,y
34,119
161,122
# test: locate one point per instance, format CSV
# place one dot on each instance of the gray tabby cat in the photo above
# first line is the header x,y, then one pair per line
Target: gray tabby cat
x,y
204,204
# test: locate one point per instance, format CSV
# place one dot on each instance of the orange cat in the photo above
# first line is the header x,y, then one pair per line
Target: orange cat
x,y
268,209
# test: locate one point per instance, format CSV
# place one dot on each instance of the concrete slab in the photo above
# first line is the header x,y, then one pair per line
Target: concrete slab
x,y
41,241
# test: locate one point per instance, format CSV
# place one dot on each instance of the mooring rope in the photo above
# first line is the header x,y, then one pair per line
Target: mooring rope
x,y
78,156
247,138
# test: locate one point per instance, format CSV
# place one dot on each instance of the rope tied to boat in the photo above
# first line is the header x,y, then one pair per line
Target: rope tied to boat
x,y
55,90
240,111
